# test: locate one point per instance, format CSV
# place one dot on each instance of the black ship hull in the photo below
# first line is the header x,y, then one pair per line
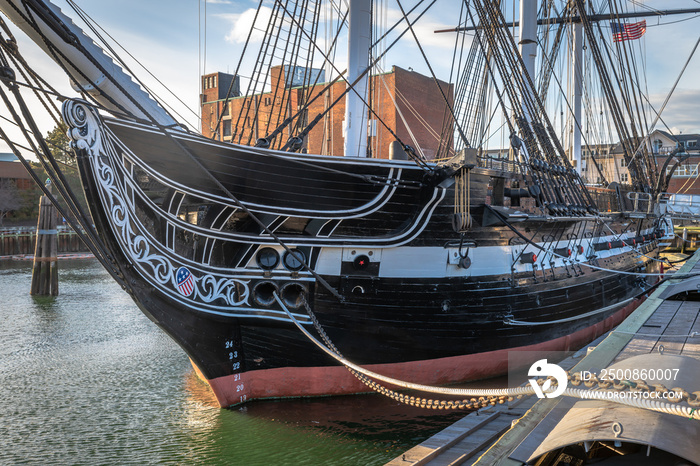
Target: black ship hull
x,y
224,246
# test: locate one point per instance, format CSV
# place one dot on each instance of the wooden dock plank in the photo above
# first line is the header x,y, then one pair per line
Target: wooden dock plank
x,y
674,336
692,344
427,451
485,435
643,342
470,446
466,438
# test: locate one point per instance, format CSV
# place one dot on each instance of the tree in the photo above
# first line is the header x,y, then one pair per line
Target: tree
x,y
10,198
59,144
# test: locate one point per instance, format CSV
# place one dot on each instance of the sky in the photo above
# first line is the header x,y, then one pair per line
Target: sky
x,y
178,40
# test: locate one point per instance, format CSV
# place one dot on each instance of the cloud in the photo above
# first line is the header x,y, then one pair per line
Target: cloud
x,y
241,24
681,112
424,28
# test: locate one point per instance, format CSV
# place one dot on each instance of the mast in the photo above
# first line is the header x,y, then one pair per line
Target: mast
x,y
355,124
528,39
575,152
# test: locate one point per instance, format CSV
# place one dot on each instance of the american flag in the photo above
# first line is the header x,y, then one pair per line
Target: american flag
x,y
622,31
185,281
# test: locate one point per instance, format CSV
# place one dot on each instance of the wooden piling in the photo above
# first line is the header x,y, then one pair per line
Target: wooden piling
x,y
685,239
45,267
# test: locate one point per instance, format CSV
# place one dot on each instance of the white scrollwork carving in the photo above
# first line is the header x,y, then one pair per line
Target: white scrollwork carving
x,y
83,124
210,289
156,264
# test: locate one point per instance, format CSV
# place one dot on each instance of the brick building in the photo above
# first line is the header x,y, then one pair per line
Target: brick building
x,y
403,99
686,147
685,179
14,180
215,88
12,170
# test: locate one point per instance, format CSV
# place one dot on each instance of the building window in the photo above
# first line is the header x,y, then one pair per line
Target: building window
x,y
624,177
685,170
227,128
213,81
225,110
692,144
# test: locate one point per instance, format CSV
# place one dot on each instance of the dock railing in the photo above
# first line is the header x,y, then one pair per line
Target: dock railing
x,y
679,206
21,240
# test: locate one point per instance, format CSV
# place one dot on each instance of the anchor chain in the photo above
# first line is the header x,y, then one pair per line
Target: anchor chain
x,y
637,385
692,399
473,403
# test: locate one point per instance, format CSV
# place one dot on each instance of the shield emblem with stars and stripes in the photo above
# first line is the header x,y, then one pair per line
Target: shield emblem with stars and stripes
x,y
184,281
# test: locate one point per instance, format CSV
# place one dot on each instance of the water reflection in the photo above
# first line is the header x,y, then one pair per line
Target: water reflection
x,y
44,303
86,378
363,429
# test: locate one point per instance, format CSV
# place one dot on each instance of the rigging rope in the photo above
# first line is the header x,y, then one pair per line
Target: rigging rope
x,y
589,265
78,218
560,186
351,87
94,26
437,83
668,97
57,178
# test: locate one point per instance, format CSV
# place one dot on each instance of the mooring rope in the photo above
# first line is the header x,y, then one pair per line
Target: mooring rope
x,y
487,397
499,396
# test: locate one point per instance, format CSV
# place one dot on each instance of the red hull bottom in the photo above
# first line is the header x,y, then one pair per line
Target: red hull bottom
x,y
285,382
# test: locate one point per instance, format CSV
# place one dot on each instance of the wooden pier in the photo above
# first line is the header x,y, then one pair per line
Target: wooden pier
x,y
468,438
686,239
663,332
21,241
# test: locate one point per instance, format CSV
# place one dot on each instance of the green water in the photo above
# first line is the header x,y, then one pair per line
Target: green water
x,y
85,378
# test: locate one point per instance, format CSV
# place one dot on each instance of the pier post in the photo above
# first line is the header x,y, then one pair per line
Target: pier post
x,y
45,267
